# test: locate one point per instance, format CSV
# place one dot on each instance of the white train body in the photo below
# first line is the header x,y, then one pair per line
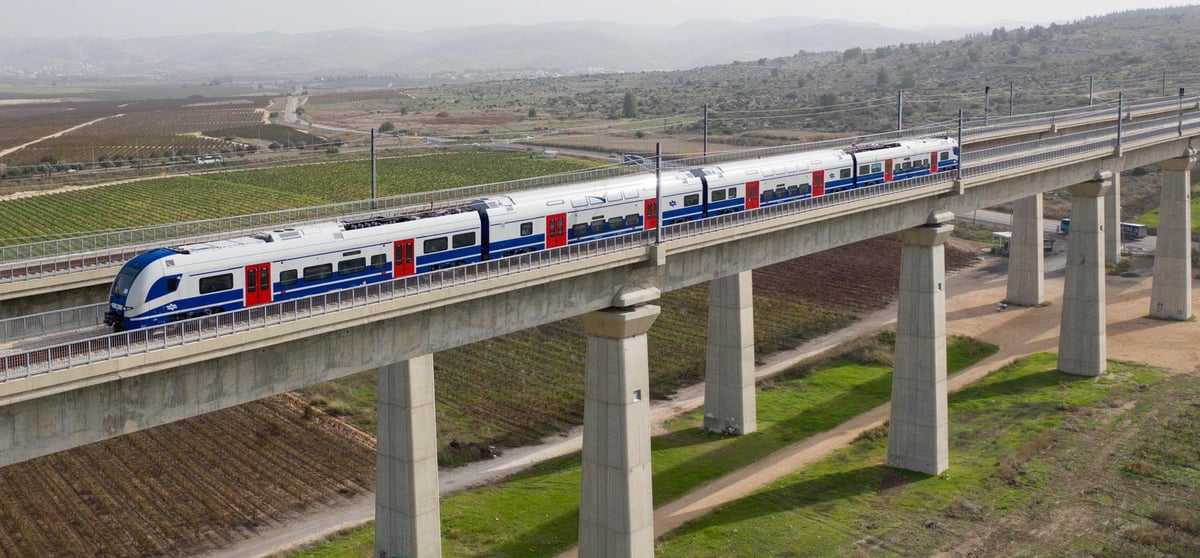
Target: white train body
x,y
167,284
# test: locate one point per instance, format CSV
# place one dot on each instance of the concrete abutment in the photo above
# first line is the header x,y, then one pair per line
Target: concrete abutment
x,y
1082,341
729,404
918,434
1026,263
1171,295
616,509
407,506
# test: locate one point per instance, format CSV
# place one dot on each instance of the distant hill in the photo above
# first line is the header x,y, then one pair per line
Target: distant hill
x,y
571,47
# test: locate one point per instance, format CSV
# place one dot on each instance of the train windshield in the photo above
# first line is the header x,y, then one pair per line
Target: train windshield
x,y
124,281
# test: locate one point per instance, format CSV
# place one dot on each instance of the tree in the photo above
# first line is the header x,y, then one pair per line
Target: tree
x,y
908,80
331,150
882,77
403,110
827,100
629,108
532,112
852,53
387,127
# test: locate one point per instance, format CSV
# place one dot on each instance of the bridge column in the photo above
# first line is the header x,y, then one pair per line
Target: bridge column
x,y
1026,265
1171,296
918,438
729,371
1081,341
1112,221
616,509
407,510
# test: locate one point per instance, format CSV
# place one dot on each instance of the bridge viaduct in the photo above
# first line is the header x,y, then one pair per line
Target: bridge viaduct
x,y
137,380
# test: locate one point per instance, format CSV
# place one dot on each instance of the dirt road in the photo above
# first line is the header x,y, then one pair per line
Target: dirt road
x,y
973,294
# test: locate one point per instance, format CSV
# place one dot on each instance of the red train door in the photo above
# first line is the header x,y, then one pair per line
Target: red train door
x,y
818,183
651,219
405,259
258,284
933,161
752,195
556,230
887,171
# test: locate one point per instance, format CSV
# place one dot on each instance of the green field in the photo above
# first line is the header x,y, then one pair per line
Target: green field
x,y
1151,219
1001,432
226,194
497,520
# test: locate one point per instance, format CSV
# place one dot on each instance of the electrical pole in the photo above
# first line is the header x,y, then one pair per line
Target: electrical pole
x,y
373,184
1091,88
706,133
1164,83
658,212
1120,114
958,169
900,111
1181,111
1010,98
987,94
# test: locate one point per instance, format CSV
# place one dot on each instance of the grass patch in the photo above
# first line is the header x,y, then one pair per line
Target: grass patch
x,y
1151,219
536,512
1001,430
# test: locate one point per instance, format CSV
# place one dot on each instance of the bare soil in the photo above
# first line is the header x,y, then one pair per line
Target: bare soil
x,y
184,487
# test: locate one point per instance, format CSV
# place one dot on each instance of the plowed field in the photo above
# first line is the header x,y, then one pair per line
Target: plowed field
x,y
184,487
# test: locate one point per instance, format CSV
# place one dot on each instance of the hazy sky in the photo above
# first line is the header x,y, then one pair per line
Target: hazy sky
x,y
139,18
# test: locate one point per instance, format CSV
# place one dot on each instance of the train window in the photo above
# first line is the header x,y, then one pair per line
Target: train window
x,y
793,190
216,283
526,229
944,155
318,272
631,194
691,199
598,225
876,168
172,284
768,195
616,223
805,189
907,165
613,196
351,253
596,200
579,230
633,220
780,192
845,173
731,193
287,278
578,202
379,261
718,195
463,240
434,245
352,266
864,169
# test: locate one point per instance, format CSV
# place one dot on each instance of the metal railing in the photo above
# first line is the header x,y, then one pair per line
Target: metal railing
x,y
51,322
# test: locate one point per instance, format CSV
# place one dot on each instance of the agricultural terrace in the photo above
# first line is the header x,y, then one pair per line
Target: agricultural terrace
x,y
124,130
225,194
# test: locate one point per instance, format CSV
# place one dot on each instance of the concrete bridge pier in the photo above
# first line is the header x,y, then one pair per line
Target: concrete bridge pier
x,y
1082,346
1171,296
1026,263
918,435
616,509
1112,221
407,508
729,404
